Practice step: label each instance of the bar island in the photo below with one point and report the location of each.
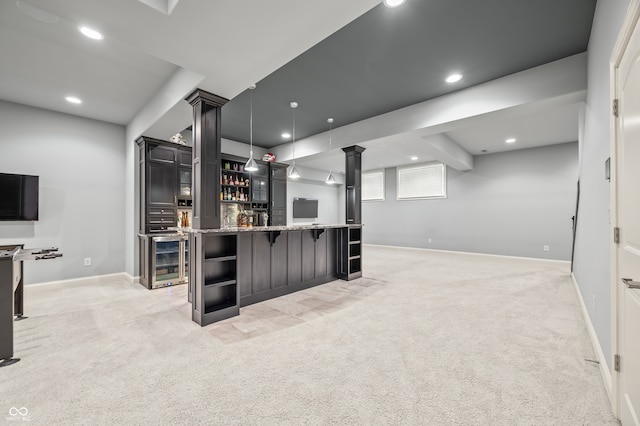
(237, 266)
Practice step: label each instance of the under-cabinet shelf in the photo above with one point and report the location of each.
(220, 283)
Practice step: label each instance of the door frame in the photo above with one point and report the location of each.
(631, 19)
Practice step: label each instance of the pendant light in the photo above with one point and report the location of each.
(251, 165)
(293, 173)
(330, 179)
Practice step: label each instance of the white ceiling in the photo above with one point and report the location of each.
(231, 43)
(44, 62)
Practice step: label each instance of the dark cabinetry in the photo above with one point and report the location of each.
(215, 290)
(353, 183)
(278, 194)
(165, 183)
(264, 190)
(351, 253)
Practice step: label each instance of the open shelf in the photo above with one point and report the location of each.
(219, 246)
(219, 297)
(222, 282)
(354, 265)
(216, 271)
(354, 250)
(355, 234)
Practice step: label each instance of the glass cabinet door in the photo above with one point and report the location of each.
(186, 259)
(185, 183)
(167, 261)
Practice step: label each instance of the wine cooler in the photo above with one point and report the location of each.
(164, 261)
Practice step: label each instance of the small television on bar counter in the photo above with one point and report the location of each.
(18, 197)
(305, 208)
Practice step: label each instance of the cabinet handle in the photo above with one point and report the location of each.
(630, 283)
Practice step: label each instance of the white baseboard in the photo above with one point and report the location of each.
(472, 253)
(131, 279)
(95, 279)
(595, 342)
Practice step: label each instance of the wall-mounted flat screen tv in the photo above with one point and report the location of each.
(305, 208)
(18, 197)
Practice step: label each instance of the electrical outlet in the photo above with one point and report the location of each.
(429, 241)
(545, 248)
(87, 261)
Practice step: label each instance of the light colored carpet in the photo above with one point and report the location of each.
(426, 338)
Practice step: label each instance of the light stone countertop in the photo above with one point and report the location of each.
(233, 229)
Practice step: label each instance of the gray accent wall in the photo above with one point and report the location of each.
(594, 235)
(512, 203)
(331, 208)
(82, 183)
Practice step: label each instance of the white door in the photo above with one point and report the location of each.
(628, 219)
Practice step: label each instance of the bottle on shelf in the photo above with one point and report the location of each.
(246, 182)
(222, 194)
(236, 181)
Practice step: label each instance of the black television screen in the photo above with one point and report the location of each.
(18, 197)
(305, 208)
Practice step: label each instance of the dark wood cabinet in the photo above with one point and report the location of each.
(264, 190)
(278, 194)
(350, 253)
(261, 263)
(245, 263)
(165, 183)
(353, 183)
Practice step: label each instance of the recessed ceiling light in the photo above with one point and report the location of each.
(286, 135)
(37, 13)
(393, 3)
(73, 100)
(414, 158)
(510, 140)
(454, 78)
(91, 33)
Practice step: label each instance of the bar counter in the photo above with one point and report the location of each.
(237, 266)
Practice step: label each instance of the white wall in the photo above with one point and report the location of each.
(593, 240)
(81, 167)
(329, 201)
(512, 203)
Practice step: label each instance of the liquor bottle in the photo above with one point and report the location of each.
(237, 183)
(246, 182)
(222, 194)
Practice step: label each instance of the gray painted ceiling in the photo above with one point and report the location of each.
(391, 58)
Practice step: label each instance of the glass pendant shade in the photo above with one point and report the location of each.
(330, 179)
(293, 173)
(251, 165)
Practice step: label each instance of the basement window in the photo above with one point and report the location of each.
(373, 185)
(422, 181)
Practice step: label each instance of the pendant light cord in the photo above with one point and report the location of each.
(293, 132)
(330, 122)
(251, 119)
